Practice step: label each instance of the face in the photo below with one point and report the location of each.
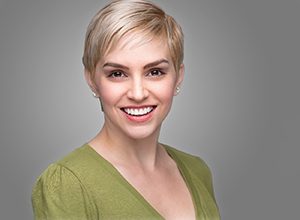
(136, 84)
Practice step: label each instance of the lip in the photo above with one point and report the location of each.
(139, 118)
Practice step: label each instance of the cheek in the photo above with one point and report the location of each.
(110, 93)
(165, 91)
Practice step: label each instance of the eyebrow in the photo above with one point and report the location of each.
(116, 65)
(155, 63)
(147, 66)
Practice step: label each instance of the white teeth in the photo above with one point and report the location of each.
(138, 111)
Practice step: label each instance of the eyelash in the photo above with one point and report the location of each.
(151, 73)
(113, 74)
(158, 72)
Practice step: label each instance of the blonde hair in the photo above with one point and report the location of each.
(122, 17)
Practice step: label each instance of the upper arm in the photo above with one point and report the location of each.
(59, 194)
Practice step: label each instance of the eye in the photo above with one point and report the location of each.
(116, 74)
(155, 73)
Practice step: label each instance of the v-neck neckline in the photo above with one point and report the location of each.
(182, 169)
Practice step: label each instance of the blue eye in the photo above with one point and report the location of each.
(155, 73)
(116, 74)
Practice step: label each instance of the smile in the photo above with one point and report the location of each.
(140, 111)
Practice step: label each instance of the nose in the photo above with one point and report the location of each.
(137, 91)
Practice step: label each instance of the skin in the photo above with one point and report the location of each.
(134, 76)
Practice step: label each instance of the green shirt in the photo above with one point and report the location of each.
(84, 185)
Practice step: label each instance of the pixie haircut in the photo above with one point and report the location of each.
(137, 17)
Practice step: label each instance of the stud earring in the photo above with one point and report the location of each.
(177, 90)
(95, 95)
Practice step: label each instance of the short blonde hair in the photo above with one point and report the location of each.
(122, 17)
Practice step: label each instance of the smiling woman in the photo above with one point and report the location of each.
(133, 62)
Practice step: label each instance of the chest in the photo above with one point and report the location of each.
(166, 192)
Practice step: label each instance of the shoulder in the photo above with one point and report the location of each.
(194, 165)
(61, 173)
(54, 178)
(187, 159)
(77, 157)
(73, 165)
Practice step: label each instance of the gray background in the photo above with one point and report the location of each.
(239, 107)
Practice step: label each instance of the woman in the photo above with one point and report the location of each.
(133, 63)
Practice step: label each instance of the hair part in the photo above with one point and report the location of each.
(138, 17)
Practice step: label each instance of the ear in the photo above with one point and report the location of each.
(90, 82)
(180, 77)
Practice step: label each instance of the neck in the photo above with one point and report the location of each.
(119, 149)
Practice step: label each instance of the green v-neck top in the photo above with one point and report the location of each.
(83, 185)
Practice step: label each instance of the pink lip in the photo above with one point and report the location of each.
(139, 119)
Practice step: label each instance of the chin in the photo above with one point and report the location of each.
(142, 132)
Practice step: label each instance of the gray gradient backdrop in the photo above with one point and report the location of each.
(239, 107)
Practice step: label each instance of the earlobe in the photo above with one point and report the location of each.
(179, 79)
(90, 82)
(180, 74)
(177, 91)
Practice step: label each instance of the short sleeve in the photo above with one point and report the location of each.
(207, 177)
(58, 194)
